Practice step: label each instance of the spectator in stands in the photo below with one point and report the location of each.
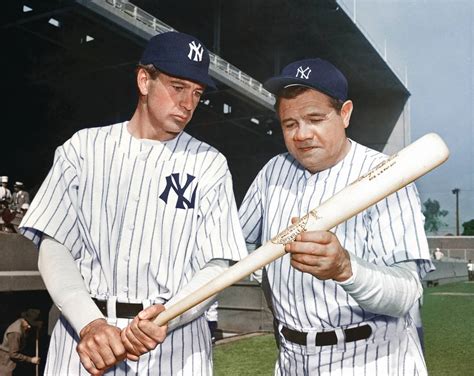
(438, 255)
(470, 270)
(5, 194)
(6, 217)
(24, 208)
(20, 196)
(14, 341)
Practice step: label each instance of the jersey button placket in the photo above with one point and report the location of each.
(129, 223)
(306, 202)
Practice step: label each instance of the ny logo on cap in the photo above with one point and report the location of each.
(198, 50)
(303, 73)
(172, 182)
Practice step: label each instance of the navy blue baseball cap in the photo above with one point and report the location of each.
(317, 74)
(180, 55)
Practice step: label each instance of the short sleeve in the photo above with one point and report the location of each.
(219, 235)
(397, 232)
(54, 208)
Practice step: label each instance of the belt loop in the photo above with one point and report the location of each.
(311, 338)
(111, 307)
(341, 338)
(147, 303)
(311, 347)
(280, 327)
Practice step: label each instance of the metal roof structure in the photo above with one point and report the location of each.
(70, 64)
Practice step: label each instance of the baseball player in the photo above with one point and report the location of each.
(341, 297)
(132, 217)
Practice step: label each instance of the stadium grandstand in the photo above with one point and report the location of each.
(71, 65)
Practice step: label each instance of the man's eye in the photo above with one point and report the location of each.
(198, 94)
(178, 87)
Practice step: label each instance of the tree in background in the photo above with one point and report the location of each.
(433, 216)
(468, 227)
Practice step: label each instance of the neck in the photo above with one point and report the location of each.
(344, 150)
(141, 127)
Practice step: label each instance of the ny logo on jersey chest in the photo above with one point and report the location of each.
(172, 183)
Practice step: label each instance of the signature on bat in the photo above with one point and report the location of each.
(290, 233)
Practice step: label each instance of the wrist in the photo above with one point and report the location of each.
(345, 269)
(92, 324)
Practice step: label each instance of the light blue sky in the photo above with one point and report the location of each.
(431, 44)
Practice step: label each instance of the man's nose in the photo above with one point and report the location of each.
(303, 132)
(186, 100)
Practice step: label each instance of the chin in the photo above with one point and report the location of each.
(175, 128)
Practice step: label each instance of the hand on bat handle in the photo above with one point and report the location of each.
(142, 334)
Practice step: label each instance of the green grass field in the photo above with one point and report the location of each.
(449, 338)
(448, 322)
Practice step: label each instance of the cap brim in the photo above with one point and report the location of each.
(188, 73)
(275, 84)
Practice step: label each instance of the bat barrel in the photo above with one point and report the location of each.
(394, 173)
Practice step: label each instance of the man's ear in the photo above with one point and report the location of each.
(143, 79)
(346, 112)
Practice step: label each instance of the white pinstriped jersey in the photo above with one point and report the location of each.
(386, 233)
(140, 219)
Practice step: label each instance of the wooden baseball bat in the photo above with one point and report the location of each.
(386, 178)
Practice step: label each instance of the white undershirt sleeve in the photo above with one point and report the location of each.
(389, 290)
(211, 270)
(65, 284)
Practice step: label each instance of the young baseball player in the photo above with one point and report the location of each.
(341, 297)
(132, 217)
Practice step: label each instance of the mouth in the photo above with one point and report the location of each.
(306, 148)
(180, 118)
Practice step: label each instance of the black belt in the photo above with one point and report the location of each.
(122, 310)
(328, 338)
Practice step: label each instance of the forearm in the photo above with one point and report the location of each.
(389, 290)
(211, 270)
(19, 357)
(65, 284)
(14, 349)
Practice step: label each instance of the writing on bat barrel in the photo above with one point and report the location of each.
(379, 169)
(290, 233)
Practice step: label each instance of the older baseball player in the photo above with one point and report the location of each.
(341, 297)
(131, 217)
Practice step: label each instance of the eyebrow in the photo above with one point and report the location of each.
(286, 120)
(316, 113)
(179, 81)
(185, 83)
